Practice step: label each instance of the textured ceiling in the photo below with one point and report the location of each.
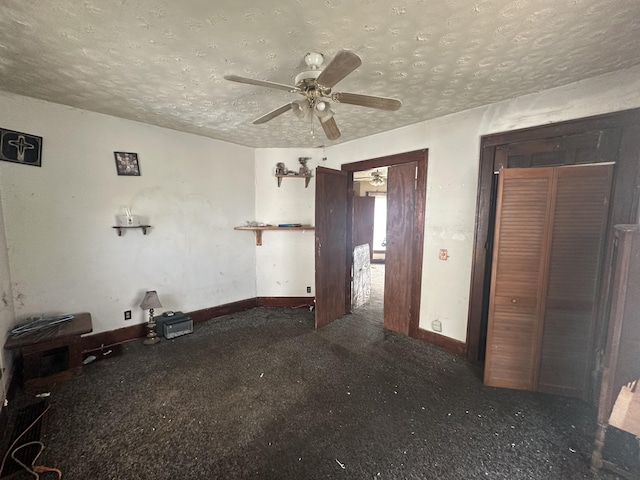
(162, 62)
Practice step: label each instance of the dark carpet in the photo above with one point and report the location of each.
(261, 394)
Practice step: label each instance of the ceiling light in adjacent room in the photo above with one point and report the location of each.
(376, 179)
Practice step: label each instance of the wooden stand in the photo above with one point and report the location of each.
(621, 364)
(52, 355)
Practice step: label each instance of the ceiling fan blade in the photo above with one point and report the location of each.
(342, 65)
(273, 114)
(261, 83)
(381, 103)
(330, 128)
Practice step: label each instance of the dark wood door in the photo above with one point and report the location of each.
(331, 244)
(363, 219)
(401, 202)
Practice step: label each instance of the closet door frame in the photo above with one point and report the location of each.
(625, 196)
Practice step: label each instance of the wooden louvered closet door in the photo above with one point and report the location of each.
(550, 231)
(579, 223)
(518, 280)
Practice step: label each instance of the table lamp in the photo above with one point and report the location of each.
(149, 302)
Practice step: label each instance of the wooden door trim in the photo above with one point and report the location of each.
(347, 261)
(625, 195)
(421, 158)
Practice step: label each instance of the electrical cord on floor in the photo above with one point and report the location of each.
(34, 469)
(12, 448)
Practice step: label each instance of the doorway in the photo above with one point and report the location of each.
(404, 239)
(407, 186)
(605, 138)
(369, 233)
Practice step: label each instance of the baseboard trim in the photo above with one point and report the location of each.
(100, 341)
(205, 314)
(445, 343)
(292, 302)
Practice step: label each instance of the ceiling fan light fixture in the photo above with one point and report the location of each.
(316, 86)
(325, 114)
(314, 60)
(376, 179)
(302, 110)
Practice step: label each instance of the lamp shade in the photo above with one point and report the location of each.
(302, 110)
(324, 115)
(150, 300)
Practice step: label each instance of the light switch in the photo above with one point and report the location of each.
(444, 254)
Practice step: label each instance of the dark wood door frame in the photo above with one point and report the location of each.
(421, 157)
(625, 197)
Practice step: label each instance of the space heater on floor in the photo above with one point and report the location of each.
(173, 324)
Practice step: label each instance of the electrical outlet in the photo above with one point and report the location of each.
(308, 289)
(127, 314)
(444, 254)
(436, 325)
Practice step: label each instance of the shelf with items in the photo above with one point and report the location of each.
(128, 220)
(120, 228)
(258, 230)
(303, 172)
(307, 178)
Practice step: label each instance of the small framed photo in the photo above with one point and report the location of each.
(127, 164)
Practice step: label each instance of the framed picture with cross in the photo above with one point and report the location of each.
(20, 147)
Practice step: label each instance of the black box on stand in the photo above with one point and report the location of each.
(173, 324)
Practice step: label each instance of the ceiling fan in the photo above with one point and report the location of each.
(377, 178)
(315, 86)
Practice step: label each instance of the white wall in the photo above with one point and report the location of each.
(453, 142)
(285, 261)
(64, 254)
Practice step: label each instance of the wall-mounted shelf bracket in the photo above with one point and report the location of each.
(307, 178)
(258, 230)
(120, 228)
